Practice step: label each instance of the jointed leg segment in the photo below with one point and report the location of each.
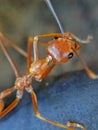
(38, 115)
(14, 45)
(34, 41)
(12, 63)
(9, 108)
(3, 94)
(7, 92)
(32, 44)
(29, 51)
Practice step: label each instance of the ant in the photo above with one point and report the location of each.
(59, 50)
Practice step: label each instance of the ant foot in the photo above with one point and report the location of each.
(72, 124)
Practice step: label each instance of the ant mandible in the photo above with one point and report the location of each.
(59, 50)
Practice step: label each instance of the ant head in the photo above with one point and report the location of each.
(61, 49)
(72, 39)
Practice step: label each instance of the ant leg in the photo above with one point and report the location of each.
(89, 38)
(3, 94)
(72, 124)
(2, 44)
(7, 92)
(29, 52)
(14, 45)
(38, 115)
(36, 40)
(33, 41)
(9, 108)
(50, 35)
(89, 72)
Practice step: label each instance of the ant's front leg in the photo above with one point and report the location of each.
(38, 115)
(34, 41)
(3, 94)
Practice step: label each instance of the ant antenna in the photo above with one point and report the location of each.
(49, 4)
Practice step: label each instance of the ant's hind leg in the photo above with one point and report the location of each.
(3, 94)
(38, 115)
(9, 108)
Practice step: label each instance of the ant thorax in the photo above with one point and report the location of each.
(23, 82)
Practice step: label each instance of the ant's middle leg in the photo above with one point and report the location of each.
(9, 58)
(14, 45)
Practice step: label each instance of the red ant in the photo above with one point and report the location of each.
(59, 50)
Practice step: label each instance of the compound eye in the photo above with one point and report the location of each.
(70, 55)
(55, 37)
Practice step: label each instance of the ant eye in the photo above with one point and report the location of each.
(70, 55)
(55, 38)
